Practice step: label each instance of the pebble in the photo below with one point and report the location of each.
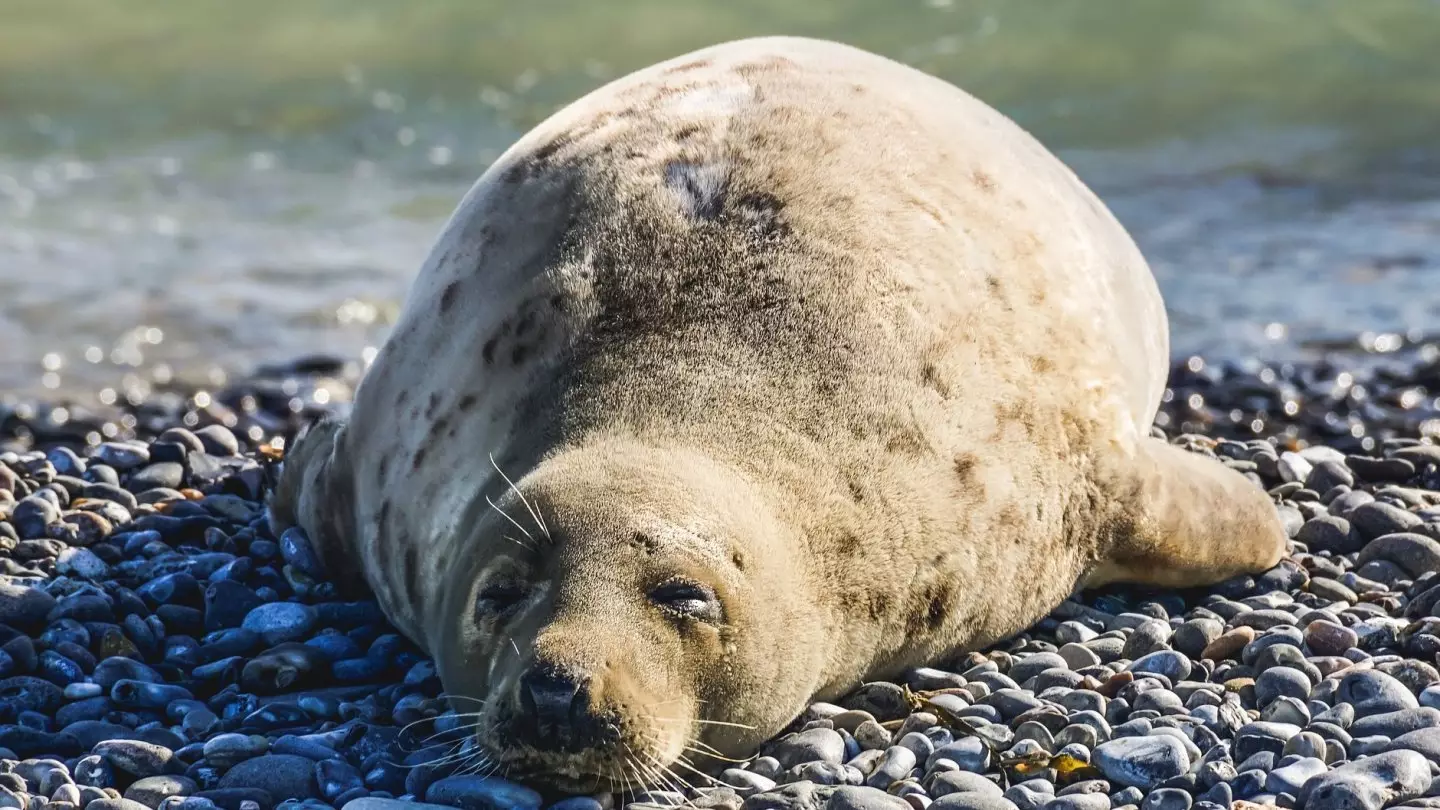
(1371, 783)
(480, 793)
(279, 622)
(1142, 762)
(283, 775)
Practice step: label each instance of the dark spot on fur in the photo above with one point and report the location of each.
(759, 214)
(1041, 364)
(685, 133)
(383, 467)
(965, 465)
(466, 402)
(930, 377)
(938, 608)
(557, 302)
(737, 559)
(983, 181)
(487, 352)
(696, 65)
(447, 298)
(700, 188)
(644, 542)
(993, 285)
(401, 397)
(418, 460)
(1009, 413)
(1010, 516)
(410, 567)
(768, 64)
(905, 439)
(856, 493)
(518, 355)
(878, 604)
(384, 513)
(431, 403)
(526, 324)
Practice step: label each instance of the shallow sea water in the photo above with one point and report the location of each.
(210, 185)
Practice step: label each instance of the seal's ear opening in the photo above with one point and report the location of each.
(314, 493)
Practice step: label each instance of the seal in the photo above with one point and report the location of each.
(747, 378)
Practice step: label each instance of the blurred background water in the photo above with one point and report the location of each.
(207, 184)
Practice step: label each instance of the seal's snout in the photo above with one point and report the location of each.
(557, 711)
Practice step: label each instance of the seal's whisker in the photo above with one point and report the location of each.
(702, 722)
(512, 520)
(674, 781)
(523, 500)
(684, 763)
(710, 751)
(517, 542)
(451, 748)
(454, 696)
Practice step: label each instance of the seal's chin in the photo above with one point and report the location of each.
(585, 772)
(623, 767)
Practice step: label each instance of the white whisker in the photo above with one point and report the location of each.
(523, 500)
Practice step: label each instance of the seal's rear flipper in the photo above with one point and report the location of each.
(1183, 520)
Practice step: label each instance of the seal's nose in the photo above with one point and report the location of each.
(549, 695)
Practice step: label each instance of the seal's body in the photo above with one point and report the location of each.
(785, 367)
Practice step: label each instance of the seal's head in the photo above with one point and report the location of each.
(634, 612)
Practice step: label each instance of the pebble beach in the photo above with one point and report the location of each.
(160, 648)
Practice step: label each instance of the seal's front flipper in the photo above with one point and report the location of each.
(1180, 519)
(310, 509)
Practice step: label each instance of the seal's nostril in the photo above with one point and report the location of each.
(549, 695)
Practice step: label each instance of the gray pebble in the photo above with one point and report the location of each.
(1141, 762)
(851, 797)
(815, 745)
(1290, 778)
(475, 792)
(1166, 799)
(1368, 784)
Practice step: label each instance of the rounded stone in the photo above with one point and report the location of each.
(278, 622)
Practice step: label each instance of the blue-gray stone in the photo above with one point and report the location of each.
(283, 776)
(1394, 724)
(474, 792)
(969, 753)
(1368, 784)
(280, 621)
(1373, 692)
(1290, 778)
(1169, 663)
(1141, 762)
(1166, 799)
(297, 550)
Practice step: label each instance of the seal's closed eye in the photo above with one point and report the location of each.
(688, 599)
(498, 600)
